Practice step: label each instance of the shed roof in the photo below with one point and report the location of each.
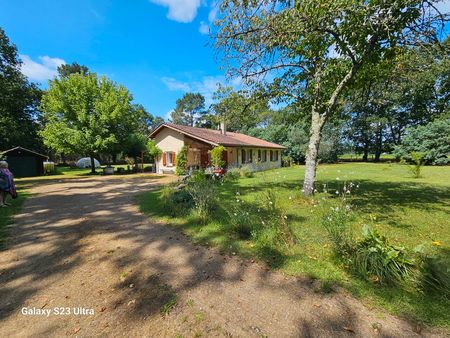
(23, 150)
(215, 137)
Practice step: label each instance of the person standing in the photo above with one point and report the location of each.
(7, 185)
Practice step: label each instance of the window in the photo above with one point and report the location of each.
(275, 156)
(271, 156)
(243, 157)
(259, 155)
(264, 156)
(169, 159)
(250, 155)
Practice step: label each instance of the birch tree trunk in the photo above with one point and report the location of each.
(311, 154)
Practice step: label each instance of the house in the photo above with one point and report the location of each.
(240, 149)
(24, 162)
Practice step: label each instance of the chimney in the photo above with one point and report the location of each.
(223, 127)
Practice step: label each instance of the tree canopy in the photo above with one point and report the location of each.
(88, 115)
(188, 109)
(308, 52)
(19, 116)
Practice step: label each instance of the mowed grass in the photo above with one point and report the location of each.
(408, 211)
(6, 214)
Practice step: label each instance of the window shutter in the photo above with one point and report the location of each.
(174, 159)
(164, 159)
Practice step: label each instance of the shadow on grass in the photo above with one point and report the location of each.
(7, 214)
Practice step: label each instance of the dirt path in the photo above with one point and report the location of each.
(83, 243)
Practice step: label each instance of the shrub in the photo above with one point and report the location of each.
(418, 161)
(203, 193)
(336, 222)
(242, 218)
(246, 171)
(432, 139)
(435, 276)
(275, 229)
(176, 201)
(216, 156)
(182, 161)
(232, 174)
(376, 259)
(373, 257)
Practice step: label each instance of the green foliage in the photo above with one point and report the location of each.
(87, 115)
(432, 139)
(182, 161)
(436, 273)
(216, 156)
(373, 257)
(376, 259)
(19, 114)
(204, 194)
(242, 218)
(232, 174)
(176, 201)
(153, 149)
(246, 171)
(418, 162)
(187, 108)
(65, 70)
(134, 145)
(241, 110)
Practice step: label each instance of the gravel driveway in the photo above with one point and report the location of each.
(81, 260)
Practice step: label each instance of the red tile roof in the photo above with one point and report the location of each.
(215, 137)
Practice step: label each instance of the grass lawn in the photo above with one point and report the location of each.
(68, 171)
(6, 214)
(408, 211)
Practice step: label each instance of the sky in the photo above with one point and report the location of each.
(158, 49)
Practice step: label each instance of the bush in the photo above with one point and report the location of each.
(242, 218)
(216, 156)
(418, 162)
(373, 257)
(436, 274)
(232, 175)
(274, 230)
(376, 259)
(176, 201)
(432, 139)
(203, 192)
(336, 222)
(182, 161)
(246, 171)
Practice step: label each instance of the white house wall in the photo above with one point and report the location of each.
(168, 140)
(255, 165)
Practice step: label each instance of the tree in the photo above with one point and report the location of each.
(240, 110)
(87, 115)
(188, 109)
(19, 116)
(65, 70)
(310, 51)
(134, 146)
(432, 140)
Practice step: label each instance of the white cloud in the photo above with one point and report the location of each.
(180, 10)
(206, 86)
(41, 70)
(204, 28)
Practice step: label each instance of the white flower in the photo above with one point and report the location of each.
(290, 197)
(285, 217)
(337, 192)
(270, 202)
(235, 214)
(337, 178)
(237, 193)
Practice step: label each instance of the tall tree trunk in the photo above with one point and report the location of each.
(378, 143)
(92, 164)
(317, 121)
(311, 154)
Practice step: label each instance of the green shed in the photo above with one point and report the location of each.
(24, 162)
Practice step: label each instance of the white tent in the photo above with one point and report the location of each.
(85, 162)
